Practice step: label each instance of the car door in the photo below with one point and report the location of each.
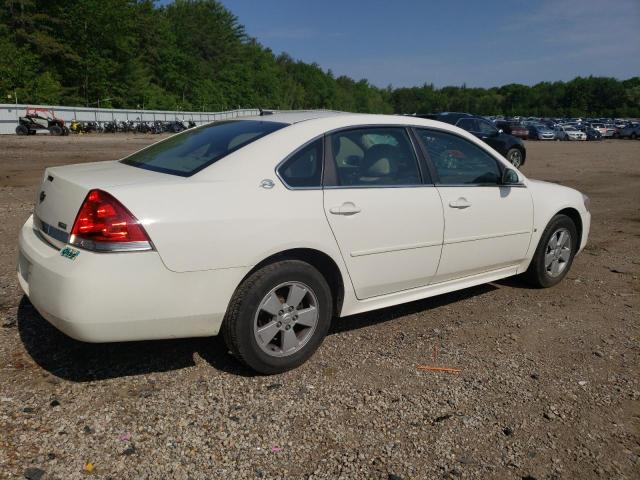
(384, 212)
(487, 225)
(489, 134)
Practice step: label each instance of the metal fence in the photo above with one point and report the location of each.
(9, 114)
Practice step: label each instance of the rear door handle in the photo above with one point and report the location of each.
(347, 208)
(460, 203)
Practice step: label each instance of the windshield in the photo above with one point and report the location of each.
(187, 153)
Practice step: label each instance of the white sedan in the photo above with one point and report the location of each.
(568, 132)
(266, 228)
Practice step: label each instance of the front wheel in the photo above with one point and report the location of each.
(278, 316)
(514, 155)
(554, 255)
(22, 130)
(634, 136)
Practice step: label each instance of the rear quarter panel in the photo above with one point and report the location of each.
(222, 217)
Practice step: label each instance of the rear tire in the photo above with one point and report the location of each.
(263, 331)
(22, 130)
(55, 130)
(514, 155)
(634, 136)
(555, 252)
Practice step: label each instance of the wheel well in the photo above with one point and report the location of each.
(574, 215)
(320, 261)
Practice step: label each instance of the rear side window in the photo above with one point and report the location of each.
(193, 150)
(457, 161)
(304, 168)
(468, 124)
(374, 157)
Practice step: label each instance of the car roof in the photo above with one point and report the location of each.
(328, 119)
(291, 117)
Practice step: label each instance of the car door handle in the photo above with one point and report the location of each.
(347, 208)
(460, 203)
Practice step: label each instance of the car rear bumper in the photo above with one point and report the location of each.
(107, 297)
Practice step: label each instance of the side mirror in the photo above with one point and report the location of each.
(510, 177)
(500, 131)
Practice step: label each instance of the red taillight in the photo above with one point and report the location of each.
(103, 223)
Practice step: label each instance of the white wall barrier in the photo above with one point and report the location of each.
(9, 114)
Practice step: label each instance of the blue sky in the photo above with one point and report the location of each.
(481, 43)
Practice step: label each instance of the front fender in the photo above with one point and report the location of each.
(549, 199)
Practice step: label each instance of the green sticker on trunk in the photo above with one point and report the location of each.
(70, 253)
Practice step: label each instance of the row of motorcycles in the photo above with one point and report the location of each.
(130, 126)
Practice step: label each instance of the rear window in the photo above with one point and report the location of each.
(189, 152)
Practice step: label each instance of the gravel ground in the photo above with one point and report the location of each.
(548, 389)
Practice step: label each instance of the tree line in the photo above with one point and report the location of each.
(194, 55)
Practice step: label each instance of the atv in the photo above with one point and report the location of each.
(41, 119)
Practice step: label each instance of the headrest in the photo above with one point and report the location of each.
(381, 161)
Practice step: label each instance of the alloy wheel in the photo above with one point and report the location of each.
(557, 252)
(515, 157)
(286, 319)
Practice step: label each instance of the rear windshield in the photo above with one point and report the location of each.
(193, 150)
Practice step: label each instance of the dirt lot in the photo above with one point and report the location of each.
(549, 385)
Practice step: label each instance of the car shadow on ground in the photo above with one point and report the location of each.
(77, 361)
(516, 282)
(363, 320)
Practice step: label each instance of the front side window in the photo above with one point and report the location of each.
(189, 152)
(374, 157)
(487, 128)
(458, 161)
(304, 168)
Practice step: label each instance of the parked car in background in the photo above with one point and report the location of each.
(569, 132)
(630, 131)
(600, 127)
(510, 147)
(514, 128)
(592, 133)
(608, 131)
(541, 132)
(344, 228)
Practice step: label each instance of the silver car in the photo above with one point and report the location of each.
(631, 131)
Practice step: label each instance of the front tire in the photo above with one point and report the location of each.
(22, 130)
(554, 256)
(278, 316)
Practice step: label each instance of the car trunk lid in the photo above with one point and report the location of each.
(63, 190)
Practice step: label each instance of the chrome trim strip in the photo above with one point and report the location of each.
(399, 248)
(485, 237)
(349, 187)
(501, 185)
(106, 247)
(52, 231)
